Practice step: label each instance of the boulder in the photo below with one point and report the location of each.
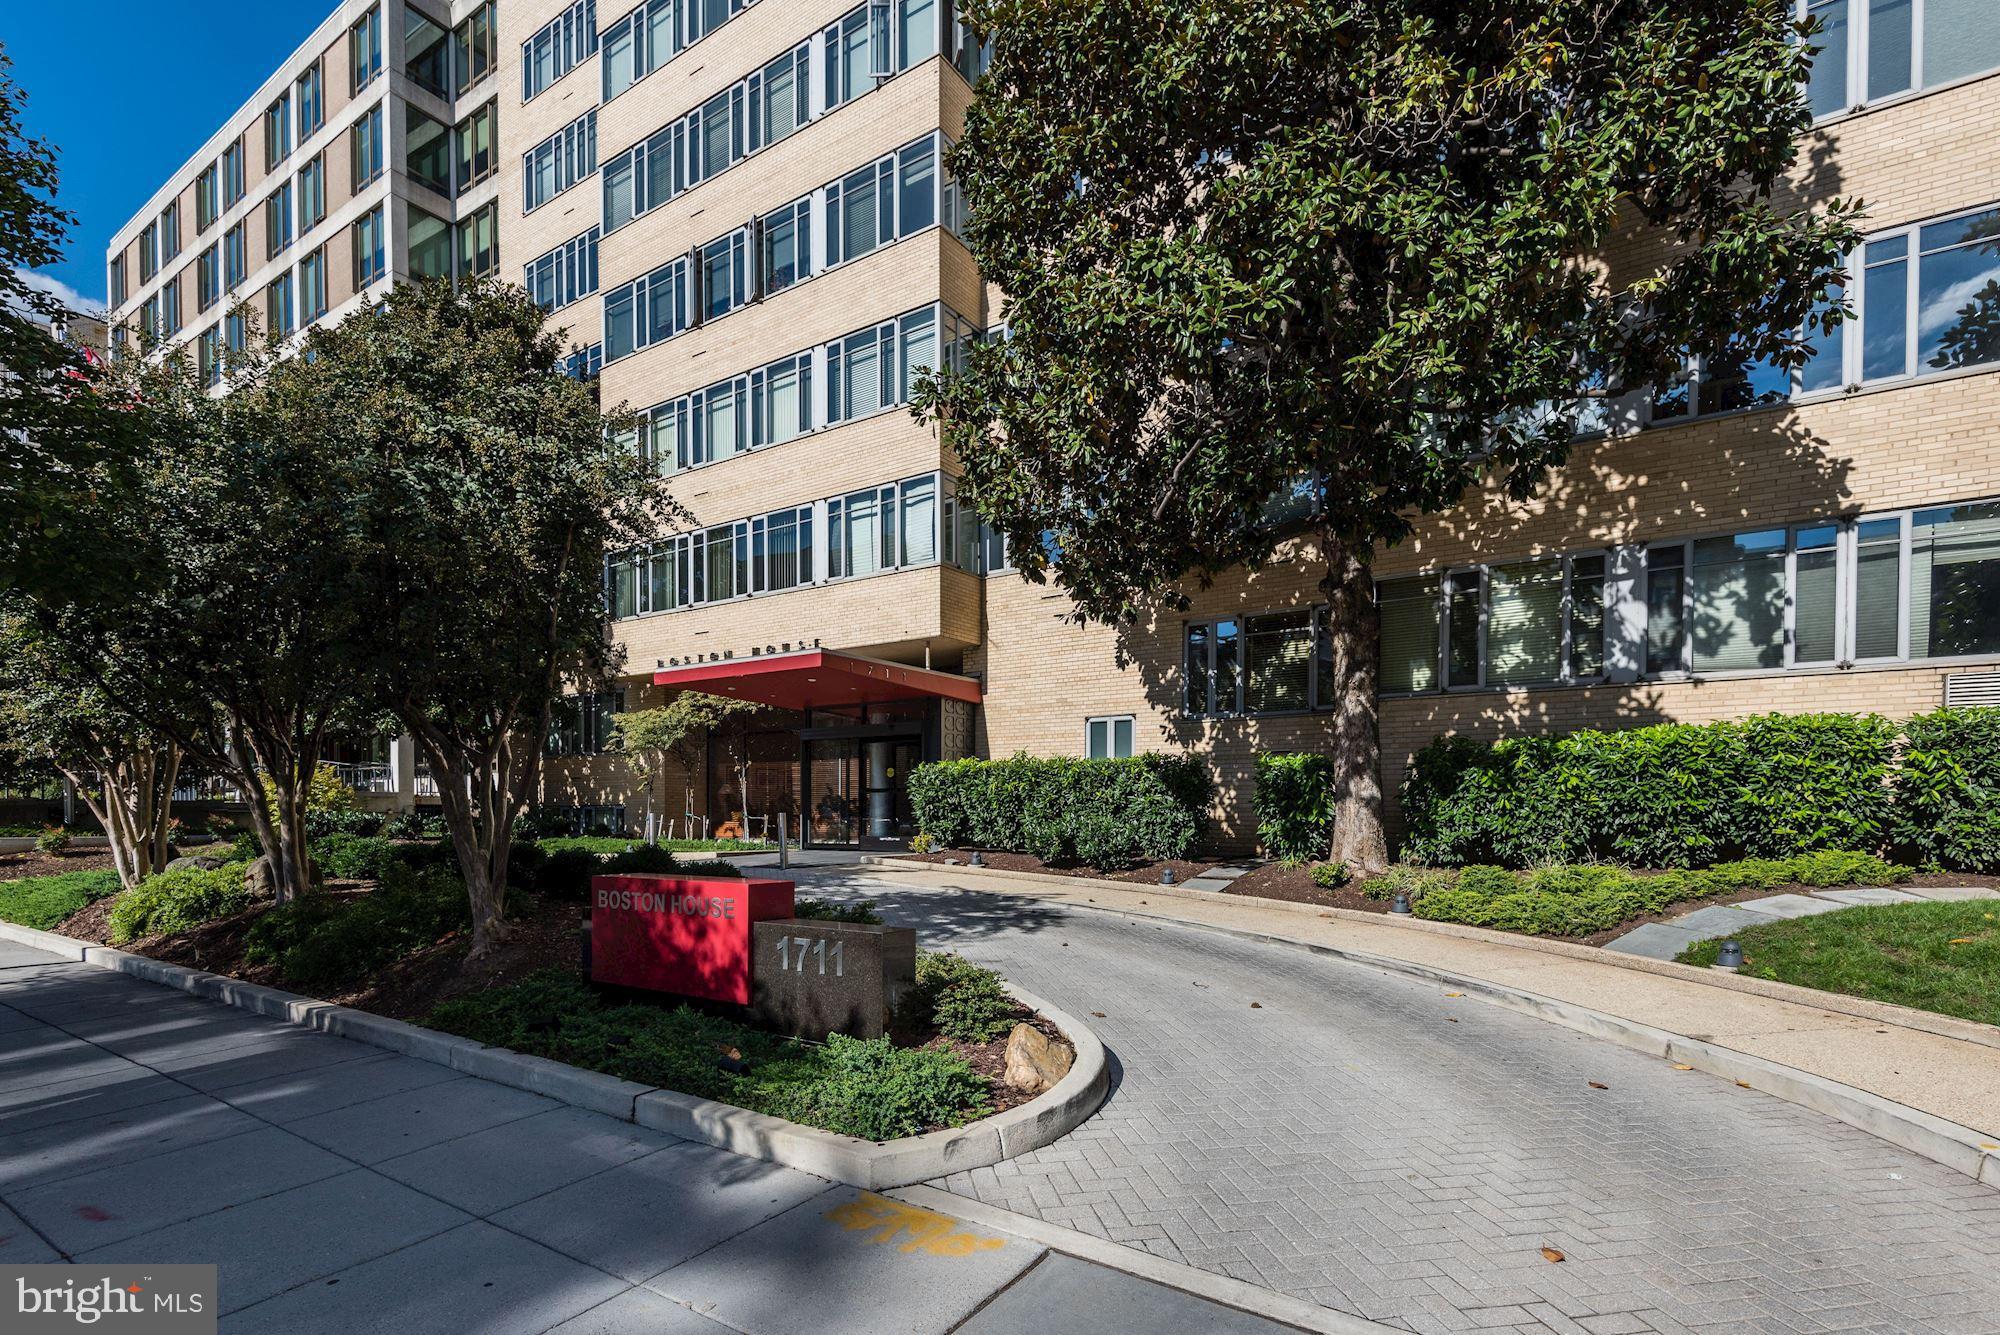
(1035, 1062)
(259, 880)
(202, 861)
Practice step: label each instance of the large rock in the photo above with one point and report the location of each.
(1035, 1061)
(259, 880)
(201, 860)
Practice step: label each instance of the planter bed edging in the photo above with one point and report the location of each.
(875, 1165)
(1888, 1012)
(25, 843)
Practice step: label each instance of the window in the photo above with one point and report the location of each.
(149, 251)
(207, 198)
(312, 286)
(277, 131)
(584, 363)
(1666, 598)
(780, 97)
(149, 319)
(1869, 50)
(1278, 662)
(170, 231)
(430, 245)
(647, 310)
(1719, 386)
(278, 312)
(781, 401)
(882, 202)
(1512, 624)
(208, 278)
(427, 150)
(364, 50)
(426, 51)
(474, 136)
(117, 283)
(559, 162)
(170, 307)
(278, 221)
(856, 49)
(208, 356)
(365, 142)
(722, 272)
(1108, 738)
(371, 260)
(654, 33)
(233, 260)
(312, 193)
(582, 725)
(478, 249)
(309, 97)
(785, 249)
(566, 274)
(1954, 581)
(1211, 662)
(473, 48)
(235, 332)
(567, 41)
(233, 187)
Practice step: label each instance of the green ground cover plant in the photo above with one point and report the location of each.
(1941, 957)
(1577, 900)
(178, 901)
(41, 902)
(597, 843)
(867, 1088)
(326, 942)
(959, 999)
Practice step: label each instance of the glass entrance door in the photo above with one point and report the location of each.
(857, 790)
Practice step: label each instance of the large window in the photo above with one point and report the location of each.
(879, 368)
(278, 221)
(654, 33)
(207, 198)
(427, 150)
(233, 186)
(312, 286)
(648, 310)
(208, 278)
(371, 249)
(1929, 298)
(234, 261)
(170, 231)
(364, 50)
(312, 193)
(567, 41)
(566, 274)
(478, 246)
(1532, 622)
(559, 162)
(426, 52)
(722, 271)
(309, 98)
(277, 131)
(889, 199)
(474, 137)
(582, 725)
(279, 315)
(149, 251)
(785, 246)
(1869, 50)
(365, 141)
(473, 47)
(431, 250)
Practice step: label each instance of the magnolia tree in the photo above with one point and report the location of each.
(1341, 252)
(656, 742)
(487, 490)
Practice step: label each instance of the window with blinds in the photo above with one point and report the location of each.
(1409, 616)
(1955, 581)
(1738, 597)
(1524, 625)
(1278, 663)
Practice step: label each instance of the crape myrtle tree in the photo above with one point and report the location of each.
(490, 491)
(676, 734)
(1340, 252)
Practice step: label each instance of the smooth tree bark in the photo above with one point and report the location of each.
(132, 797)
(1283, 278)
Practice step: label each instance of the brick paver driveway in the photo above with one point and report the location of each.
(1364, 1140)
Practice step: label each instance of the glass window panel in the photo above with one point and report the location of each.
(1826, 87)
(1878, 589)
(1885, 310)
(1409, 612)
(720, 423)
(1121, 738)
(1586, 617)
(920, 341)
(1743, 382)
(620, 199)
(1815, 595)
(1739, 602)
(1889, 47)
(1524, 623)
(1277, 662)
(916, 31)
(1958, 293)
(857, 214)
(919, 521)
(861, 376)
(625, 589)
(1228, 640)
(1194, 667)
(1823, 369)
(1666, 593)
(917, 189)
(1100, 738)
(1961, 37)
(1463, 610)
(860, 534)
(1955, 581)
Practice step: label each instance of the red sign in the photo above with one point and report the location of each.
(689, 935)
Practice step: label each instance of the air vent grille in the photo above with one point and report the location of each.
(1964, 690)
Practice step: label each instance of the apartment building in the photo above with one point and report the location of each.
(739, 212)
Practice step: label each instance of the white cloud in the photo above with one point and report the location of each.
(62, 292)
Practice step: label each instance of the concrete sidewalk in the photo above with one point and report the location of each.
(1947, 1068)
(340, 1188)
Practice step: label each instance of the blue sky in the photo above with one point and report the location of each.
(91, 74)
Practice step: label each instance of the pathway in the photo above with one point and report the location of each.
(1666, 940)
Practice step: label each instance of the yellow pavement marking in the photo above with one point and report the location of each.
(883, 1221)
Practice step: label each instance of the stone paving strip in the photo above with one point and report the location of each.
(341, 1188)
(1666, 940)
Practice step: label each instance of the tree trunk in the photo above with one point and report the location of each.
(1354, 623)
(134, 804)
(480, 797)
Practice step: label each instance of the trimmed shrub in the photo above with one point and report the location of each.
(1948, 790)
(524, 861)
(707, 867)
(958, 999)
(179, 900)
(1330, 875)
(41, 902)
(353, 857)
(334, 944)
(1101, 813)
(1295, 804)
(641, 858)
(52, 840)
(343, 820)
(1669, 795)
(566, 873)
(862, 911)
(414, 825)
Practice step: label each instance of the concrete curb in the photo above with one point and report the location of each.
(24, 843)
(861, 1163)
(1956, 1146)
(1221, 1289)
(1944, 1026)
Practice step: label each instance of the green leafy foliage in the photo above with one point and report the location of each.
(1941, 957)
(1331, 875)
(42, 902)
(861, 911)
(324, 942)
(178, 900)
(1948, 790)
(1294, 804)
(1100, 813)
(353, 856)
(870, 1088)
(54, 839)
(1578, 900)
(1669, 795)
(566, 874)
(958, 999)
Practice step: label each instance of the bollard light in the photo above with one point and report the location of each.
(1730, 956)
(1166, 876)
(975, 860)
(1401, 904)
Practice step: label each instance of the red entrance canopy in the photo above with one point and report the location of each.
(817, 678)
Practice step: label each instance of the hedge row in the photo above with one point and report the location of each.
(1099, 813)
(1688, 795)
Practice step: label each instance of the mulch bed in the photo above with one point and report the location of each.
(20, 866)
(1147, 873)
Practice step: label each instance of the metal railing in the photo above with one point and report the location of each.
(426, 784)
(207, 790)
(365, 778)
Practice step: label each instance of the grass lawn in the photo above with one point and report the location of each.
(43, 901)
(1933, 956)
(601, 843)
